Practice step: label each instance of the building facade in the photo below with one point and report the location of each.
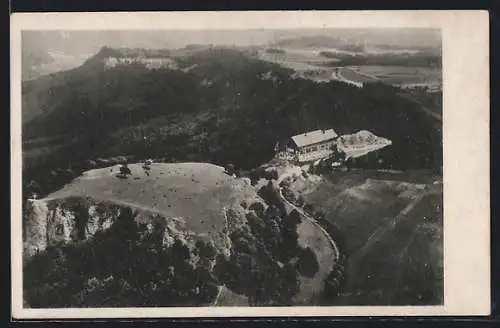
(311, 146)
(148, 62)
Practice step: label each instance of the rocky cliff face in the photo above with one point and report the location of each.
(55, 221)
(50, 222)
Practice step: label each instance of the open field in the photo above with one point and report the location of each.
(393, 235)
(312, 59)
(226, 297)
(301, 60)
(311, 236)
(195, 192)
(355, 76)
(400, 75)
(311, 56)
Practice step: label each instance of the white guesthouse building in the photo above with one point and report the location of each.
(311, 146)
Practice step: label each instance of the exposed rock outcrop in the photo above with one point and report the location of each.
(52, 221)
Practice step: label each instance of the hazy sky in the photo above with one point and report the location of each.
(92, 41)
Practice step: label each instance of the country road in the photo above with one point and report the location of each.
(219, 292)
(310, 219)
(313, 221)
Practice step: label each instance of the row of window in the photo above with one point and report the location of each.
(315, 148)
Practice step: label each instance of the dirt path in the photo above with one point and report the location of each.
(357, 257)
(422, 106)
(380, 232)
(316, 223)
(219, 292)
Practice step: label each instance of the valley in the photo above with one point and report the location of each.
(391, 227)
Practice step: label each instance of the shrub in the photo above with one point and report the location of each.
(258, 208)
(271, 195)
(289, 195)
(293, 219)
(300, 201)
(286, 182)
(308, 208)
(206, 250)
(308, 264)
(319, 215)
(271, 174)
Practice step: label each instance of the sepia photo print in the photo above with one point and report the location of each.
(239, 168)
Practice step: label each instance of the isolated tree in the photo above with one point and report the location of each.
(258, 208)
(125, 170)
(230, 169)
(308, 264)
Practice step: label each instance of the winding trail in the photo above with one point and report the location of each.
(220, 288)
(381, 231)
(313, 221)
(305, 215)
(219, 292)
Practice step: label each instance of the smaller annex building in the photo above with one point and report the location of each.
(312, 145)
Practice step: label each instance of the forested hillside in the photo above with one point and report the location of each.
(226, 108)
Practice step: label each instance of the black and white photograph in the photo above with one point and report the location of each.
(259, 167)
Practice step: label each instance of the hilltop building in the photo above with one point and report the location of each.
(148, 62)
(310, 146)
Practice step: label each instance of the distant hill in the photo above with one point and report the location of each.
(40, 62)
(356, 43)
(31, 62)
(310, 41)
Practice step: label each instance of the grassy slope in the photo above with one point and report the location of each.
(311, 236)
(229, 298)
(196, 192)
(393, 237)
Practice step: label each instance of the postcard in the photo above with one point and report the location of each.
(250, 164)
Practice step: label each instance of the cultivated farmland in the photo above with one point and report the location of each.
(356, 76)
(400, 75)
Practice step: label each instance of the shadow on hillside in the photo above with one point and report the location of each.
(125, 266)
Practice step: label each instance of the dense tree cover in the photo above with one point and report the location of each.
(121, 267)
(273, 279)
(275, 51)
(334, 283)
(432, 99)
(271, 194)
(335, 279)
(220, 111)
(129, 265)
(308, 264)
(266, 259)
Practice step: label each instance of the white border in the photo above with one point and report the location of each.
(466, 147)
